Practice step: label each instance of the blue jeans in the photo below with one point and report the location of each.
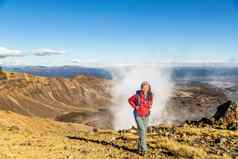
(142, 123)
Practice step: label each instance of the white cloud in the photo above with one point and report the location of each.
(47, 52)
(87, 62)
(5, 52)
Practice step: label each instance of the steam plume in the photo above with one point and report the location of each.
(131, 78)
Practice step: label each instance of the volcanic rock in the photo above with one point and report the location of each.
(193, 101)
(51, 97)
(226, 116)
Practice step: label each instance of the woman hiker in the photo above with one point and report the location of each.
(141, 103)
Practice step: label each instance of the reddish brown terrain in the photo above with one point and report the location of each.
(51, 97)
(86, 99)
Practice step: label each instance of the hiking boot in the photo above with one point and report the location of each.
(142, 153)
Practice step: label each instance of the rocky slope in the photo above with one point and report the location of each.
(193, 101)
(86, 99)
(225, 117)
(25, 137)
(52, 97)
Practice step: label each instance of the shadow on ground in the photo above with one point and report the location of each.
(103, 143)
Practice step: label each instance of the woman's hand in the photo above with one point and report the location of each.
(137, 107)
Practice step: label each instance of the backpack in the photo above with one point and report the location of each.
(138, 98)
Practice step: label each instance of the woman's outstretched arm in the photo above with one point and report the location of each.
(132, 101)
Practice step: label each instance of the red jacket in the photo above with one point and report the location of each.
(145, 104)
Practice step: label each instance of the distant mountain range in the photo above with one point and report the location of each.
(204, 72)
(62, 71)
(200, 73)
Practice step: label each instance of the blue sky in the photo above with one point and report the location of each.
(62, 32)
